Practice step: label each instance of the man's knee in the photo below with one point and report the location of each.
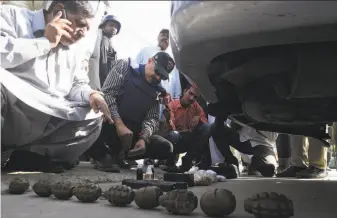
(159, 147)
(173, 137)
(205, 130)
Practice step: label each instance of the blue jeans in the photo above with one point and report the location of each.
(190, 142)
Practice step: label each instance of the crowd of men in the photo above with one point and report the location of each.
(64, 95)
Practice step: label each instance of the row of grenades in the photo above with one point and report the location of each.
(214, 203)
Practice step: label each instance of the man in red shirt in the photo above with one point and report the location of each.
(187, 127)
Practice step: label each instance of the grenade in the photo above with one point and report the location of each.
(218, 203)
(179, 201)
(62, 190)
(119, 195)
(42, 188)
(269, 205)
(205, 181)
(148, 197)
(18, 185)
(88, 192)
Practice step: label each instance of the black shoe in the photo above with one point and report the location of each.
(159, 163)
(266, 169)
(170, 168)
(253, 172)
(22, 160)
(132, 163)
(202, 165)
(186, 164)
(124, 164)
(290, 171)
(106, 164)
(230, 171)
(312, 173)
(70, 165)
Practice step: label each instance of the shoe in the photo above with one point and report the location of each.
(158, 163)
(106, 164)
(312, 173)
(253, 172)
(124, 164)
(132, 163)
(186, 164)
(228, 170)
(290, 171)
(280, 168)
(22, 160)
(265, 169)
(70, 164)
(170, 169)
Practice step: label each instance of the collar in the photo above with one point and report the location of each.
(38, 23)
(159, 49)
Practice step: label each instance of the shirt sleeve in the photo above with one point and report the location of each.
(201, 113)
(80, 90)
(14, 50)
(150, 125)
(114, 81)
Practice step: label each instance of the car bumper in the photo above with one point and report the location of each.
(203, 30)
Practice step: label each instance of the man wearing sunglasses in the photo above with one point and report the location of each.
(46, 101)
(131, 91)
(187, 128)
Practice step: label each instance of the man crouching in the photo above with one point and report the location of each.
(131, 91)
(46, 101)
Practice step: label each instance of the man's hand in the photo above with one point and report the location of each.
(138, 150)
(98, 103)
(125, 135)
(194, 122)
(57, 28)
(140, 144)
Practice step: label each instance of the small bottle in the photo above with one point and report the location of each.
(139, 173)
(152, 169)
(148, 174)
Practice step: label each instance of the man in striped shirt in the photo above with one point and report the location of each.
(131, 91)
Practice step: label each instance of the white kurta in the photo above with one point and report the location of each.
(44, 93)
(52, 81)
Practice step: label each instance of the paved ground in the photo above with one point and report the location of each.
(312, 199)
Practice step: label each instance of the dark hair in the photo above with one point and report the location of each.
(75, 6)
(164, 31)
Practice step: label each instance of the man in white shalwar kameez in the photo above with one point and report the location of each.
(46, 101)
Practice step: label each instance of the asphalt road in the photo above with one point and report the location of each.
(311, 198)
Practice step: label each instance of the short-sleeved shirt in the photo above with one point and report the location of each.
(181, 117)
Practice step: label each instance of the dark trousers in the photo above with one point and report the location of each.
(193, 143)
(110, 143)
(224, 137)
(283, 146)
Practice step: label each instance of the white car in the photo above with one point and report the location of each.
(268, 64)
